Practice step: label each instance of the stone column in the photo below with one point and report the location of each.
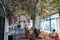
(37, 18)
(37, 22)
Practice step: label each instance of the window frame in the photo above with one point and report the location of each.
(50, 19)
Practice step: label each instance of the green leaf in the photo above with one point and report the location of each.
(19, 26)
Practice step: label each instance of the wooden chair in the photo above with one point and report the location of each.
(57, 37)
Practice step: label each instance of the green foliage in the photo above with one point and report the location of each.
(37, 32)
(54, 6)
(21, 1)
(19, 26)
(55, 2)
(14, 3)
(41, 13)
(58, 10)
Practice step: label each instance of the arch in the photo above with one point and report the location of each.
(2, 21)
(2, 10)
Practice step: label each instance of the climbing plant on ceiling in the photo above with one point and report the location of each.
(53, 6)
(30, 6)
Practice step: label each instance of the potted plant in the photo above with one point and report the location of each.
(37, 32)
(19, 25)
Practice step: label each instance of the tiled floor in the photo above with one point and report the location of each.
(20, 36)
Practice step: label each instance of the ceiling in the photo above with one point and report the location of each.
(45, 7)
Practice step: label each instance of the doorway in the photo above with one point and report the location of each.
(2, 22)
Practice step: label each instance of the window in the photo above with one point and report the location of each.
(41, 24)
(55, 15)
(53, 21)
(47, 25)
(49, 22)
(53, 24)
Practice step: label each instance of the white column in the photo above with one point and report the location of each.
(58, 25)
(6, 29)
(6, 25)
(37, 22)
(22, 25)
